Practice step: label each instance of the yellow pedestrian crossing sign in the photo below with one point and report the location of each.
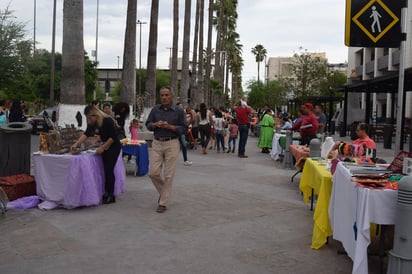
(373, 23)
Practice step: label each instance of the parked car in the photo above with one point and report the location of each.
(39, 122)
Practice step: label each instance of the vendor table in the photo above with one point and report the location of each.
(350, 204)
(276, 146)
(317, 180)
(142, 157)
(71, 181)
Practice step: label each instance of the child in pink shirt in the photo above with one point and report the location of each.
(233, 132)
(134, 126)
(134, 135)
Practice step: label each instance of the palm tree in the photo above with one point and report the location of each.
(128, 88)
(175, 46)
(200, 88)
(195, 68)
(185, 84)
(260, 53)
(208, 94)
(152, 56)
(72, 79)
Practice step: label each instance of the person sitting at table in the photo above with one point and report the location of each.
(285, 123)
(98, 123)
(363, 138)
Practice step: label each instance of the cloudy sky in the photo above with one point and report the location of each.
(282, 27)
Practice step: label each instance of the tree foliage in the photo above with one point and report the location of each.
(308, 73)
(260, 53)
(273, 94)
(14, 51)
(25, 75)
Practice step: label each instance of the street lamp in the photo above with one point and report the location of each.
(118, 66)
(140, 54)
(96, 44)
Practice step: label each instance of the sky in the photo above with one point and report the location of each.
(282, 27)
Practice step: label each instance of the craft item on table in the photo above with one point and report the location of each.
(407, 165)
(397, 164)
(326, 147)
(127, 141)
(58, 141)
(348, 149)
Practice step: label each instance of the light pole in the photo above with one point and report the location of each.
(97, 40)
(118, 66)
(140, 54)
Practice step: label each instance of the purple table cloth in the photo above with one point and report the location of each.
(71, 181)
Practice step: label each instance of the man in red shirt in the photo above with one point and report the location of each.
(308, 125)
(242, 116)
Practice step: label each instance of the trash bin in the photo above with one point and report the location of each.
(353, 128)
(387, 136)
(15, 147)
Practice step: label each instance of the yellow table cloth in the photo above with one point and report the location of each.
(316, 177)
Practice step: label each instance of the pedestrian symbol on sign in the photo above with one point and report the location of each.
(373, 23)
(375, 15)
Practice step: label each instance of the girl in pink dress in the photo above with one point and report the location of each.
(134, 135)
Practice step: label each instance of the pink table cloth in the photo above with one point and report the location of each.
(71, 181)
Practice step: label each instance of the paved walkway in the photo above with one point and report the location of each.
(227, 215)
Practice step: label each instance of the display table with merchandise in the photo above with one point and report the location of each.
(352, 209)
(71, 181)
(140, 150)
(317, 180)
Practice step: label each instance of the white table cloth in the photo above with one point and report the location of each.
(349, 204)
(276, 149)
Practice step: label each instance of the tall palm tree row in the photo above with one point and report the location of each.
(260, 53)
(227, 54)
(228, 47)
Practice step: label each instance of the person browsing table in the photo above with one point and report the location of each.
(168, 122)
(98, 123)
(308, 126)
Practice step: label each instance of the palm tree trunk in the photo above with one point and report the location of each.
(200, 87)
(72, 78)
(208, 93)
(219, 42)
(152, 56)
(185, 84)
(195, 66)
(175, 46)
(128, 88)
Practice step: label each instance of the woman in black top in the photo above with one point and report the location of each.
(98, 123)
(16, 112)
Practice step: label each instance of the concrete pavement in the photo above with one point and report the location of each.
(227, 215)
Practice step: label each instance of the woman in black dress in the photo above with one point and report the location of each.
(102, 125)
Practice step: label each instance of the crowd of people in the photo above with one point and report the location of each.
(175, 125)
(12, 111)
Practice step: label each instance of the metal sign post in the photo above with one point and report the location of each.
(401, 88)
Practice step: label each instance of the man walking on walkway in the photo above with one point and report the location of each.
(242, 116)
(168, 122)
